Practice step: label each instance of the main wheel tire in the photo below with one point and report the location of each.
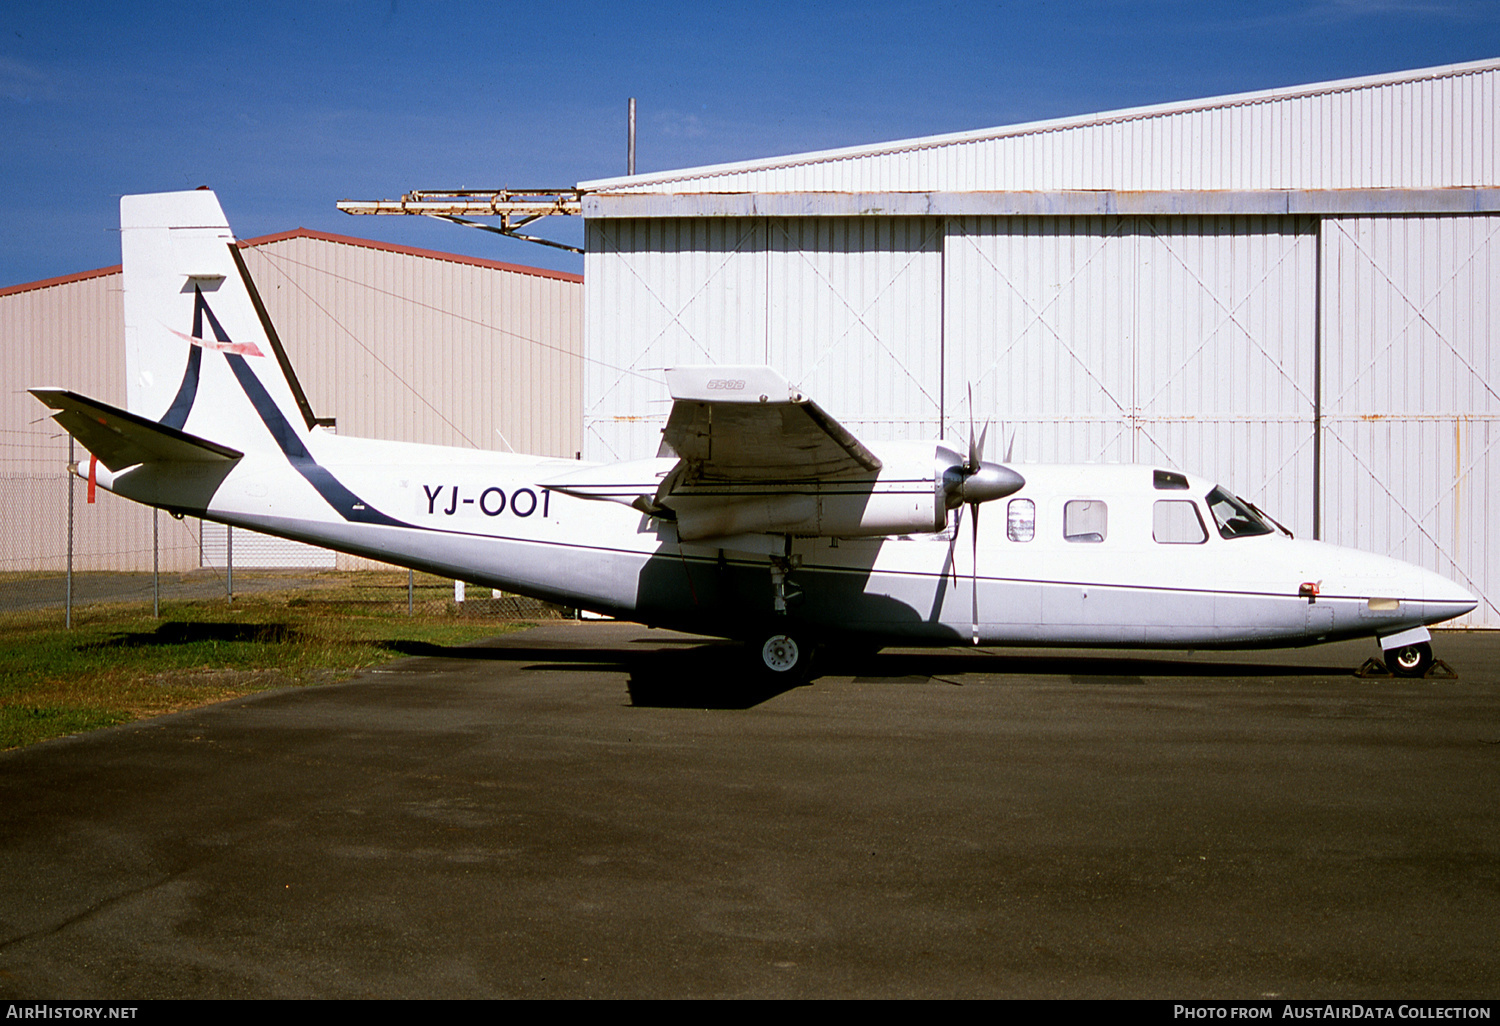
(1410, 660)
(783, 656)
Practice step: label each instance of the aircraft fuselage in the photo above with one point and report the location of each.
(492, 519)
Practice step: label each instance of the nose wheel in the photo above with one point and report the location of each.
(1410, 660)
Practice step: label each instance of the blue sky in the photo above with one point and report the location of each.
(285, 108)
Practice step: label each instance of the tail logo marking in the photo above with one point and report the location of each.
(221, 340)
(182, 403)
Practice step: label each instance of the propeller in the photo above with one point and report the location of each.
(973, 481)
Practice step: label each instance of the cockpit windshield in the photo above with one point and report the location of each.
(1234, 516)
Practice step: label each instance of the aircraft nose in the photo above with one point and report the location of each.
(1439, 597)
(1445, 598)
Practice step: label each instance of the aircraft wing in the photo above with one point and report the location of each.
(122, 439)
(748, 425)
(746, 454)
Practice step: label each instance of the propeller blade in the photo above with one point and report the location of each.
(974, 450)
(974, 570)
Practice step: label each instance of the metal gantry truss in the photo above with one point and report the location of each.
(516, 208)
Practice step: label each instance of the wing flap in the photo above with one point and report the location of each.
(122, 439)
(747, 424)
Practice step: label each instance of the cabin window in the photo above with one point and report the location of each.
(1177, 522)
(1168, 479)
(1020, 520)
(1234, 516)
(1085, 520)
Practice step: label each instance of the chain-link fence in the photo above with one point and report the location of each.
(62, 549)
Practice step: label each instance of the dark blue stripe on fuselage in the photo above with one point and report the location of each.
(345, 503)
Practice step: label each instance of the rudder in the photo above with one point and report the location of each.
(201, 354)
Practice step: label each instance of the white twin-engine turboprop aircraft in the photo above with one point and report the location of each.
(761, 519)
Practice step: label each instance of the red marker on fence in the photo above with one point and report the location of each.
(93, 475)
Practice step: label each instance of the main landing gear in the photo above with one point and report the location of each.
(781, 652)
(784, 656)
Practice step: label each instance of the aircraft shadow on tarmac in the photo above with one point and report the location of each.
(704, 674)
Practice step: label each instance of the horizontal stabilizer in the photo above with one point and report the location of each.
(121, 439)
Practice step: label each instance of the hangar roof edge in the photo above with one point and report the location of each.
(638, 182)
(308, 233)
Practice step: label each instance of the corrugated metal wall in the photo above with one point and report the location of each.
(848, 308)
(1426, 129)
(1410, 394)
(427, 350)
(1185, 341)
(69, 335)
(394, 343)
(662, 293)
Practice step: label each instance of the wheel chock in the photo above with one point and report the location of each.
(1374, 669)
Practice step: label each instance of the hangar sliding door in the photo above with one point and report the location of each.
(855, 318)
(848, 308)
(676, 291)
(1186, 341)
(1412, 413)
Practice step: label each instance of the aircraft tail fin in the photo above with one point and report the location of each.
(201, 354)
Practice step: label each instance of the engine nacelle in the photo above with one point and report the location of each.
(906, 496)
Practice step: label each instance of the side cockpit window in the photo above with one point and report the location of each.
(1020, 520)
(1085, 520)
(1177, 522)
(1234, 516)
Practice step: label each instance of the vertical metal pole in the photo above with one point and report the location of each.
(155, 567)
(942, 430)
(1317, 481)
(410, 581)
(630, 153)
(229, 561)
(68, 600)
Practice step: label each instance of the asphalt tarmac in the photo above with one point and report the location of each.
(598, 810)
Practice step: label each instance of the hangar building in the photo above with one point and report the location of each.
(1291, 291)
(389, 341)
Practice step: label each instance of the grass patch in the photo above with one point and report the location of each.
(118, 664)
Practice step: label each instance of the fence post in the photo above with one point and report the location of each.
(155, 568)
(68, 600)
(411, 576)
(229, 561)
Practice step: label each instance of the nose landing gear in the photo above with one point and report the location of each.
(1410, 660)
(1408, 654)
